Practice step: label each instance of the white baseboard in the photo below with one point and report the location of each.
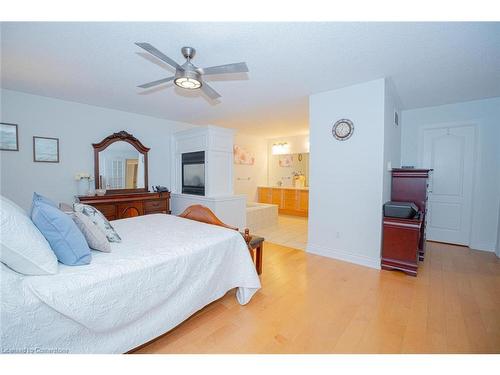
(362, 260)
(483, 247)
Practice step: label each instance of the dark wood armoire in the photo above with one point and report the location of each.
(403, 242)
(410, 185)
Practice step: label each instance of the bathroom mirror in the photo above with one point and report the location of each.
(121, 164)
(289, 170)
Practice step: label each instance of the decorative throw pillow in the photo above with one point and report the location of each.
(95, 236)
(66, 208)
(23, 247)
(98, 219)
(40, 198)
(64, 237)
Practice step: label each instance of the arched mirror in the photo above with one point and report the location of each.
(121, 164)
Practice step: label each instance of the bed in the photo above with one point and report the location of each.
(165, 269)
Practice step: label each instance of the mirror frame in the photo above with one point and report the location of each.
(129, 138)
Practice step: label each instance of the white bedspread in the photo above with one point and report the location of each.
(164, 265)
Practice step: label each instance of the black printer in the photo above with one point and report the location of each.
(401, 210)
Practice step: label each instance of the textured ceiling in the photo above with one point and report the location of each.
(98, 63)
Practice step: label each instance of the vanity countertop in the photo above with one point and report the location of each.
(286, 187)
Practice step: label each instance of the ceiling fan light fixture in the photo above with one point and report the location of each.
(187, 83)
(188, 79)
(188, 76)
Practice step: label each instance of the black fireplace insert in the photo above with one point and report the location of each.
(193, 173)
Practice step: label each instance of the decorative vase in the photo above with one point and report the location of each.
(83, 186)
(90, 187)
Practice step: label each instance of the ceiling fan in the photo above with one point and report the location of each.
(189, 76)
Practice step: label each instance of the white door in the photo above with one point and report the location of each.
(449, 151)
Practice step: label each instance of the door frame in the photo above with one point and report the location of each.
(475, 162)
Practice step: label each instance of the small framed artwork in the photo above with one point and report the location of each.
(285, 161)
(46, 150)
(9, 139)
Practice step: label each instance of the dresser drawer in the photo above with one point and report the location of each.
(159, 205)
(130, 209)
(108, 210)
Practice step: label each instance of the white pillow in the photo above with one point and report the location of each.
(23, 247)
(98, 219)
(95, 236)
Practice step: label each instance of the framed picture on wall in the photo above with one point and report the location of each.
(46, 150)
(9, 139)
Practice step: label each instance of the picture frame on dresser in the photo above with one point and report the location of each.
(9, 137)
(45, 149)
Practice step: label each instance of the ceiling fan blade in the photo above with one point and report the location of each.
(228, 68)
(154, 83)
(209, 91)
(152, 50)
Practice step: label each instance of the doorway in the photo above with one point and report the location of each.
(450, 152)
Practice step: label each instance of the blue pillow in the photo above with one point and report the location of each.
(40, 198)
(64, 237)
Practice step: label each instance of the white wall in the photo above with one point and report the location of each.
(486, 114)
(248, 177)
(392, 138)
(346, 179)
(77, 126)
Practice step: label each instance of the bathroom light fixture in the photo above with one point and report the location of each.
(280, 148)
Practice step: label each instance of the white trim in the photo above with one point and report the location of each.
(344, 256)
(490, 247)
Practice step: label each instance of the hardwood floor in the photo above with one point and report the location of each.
(312, 304)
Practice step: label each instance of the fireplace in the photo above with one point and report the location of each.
(193, 173)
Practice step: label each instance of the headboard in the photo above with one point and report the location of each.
(204, 214)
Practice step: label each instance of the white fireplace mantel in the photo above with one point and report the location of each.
(218, 146)
(219, 196)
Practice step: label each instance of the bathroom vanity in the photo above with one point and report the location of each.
(290, 200)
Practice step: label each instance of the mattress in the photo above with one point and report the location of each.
(165, 269)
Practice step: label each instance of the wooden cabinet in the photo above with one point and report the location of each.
(410, 185)
(304, 201)
(290, 201)
(400, 250)
(120, 206)
(265, 195)
(277, 197)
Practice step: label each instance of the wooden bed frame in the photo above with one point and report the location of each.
(203, 214)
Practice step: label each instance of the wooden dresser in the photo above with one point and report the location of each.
(120, 206)
(400, 244)
(410, 185)
(290, 201)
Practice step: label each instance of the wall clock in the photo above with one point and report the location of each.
(343, 129)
